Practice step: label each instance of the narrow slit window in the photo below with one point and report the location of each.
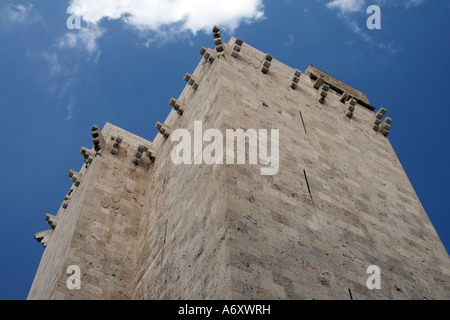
(165, 233)
(303, 122)
(307, 183)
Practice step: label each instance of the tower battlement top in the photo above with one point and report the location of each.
(314, 73)
(338, 85)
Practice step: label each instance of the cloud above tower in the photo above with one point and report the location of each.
(159, 19)
(156, 15)
(346, 5)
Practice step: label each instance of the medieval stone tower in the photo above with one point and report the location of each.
(139, 226)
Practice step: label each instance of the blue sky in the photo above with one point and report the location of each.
(125, 63)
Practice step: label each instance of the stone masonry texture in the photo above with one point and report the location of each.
(141, 227)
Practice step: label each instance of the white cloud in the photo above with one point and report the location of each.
(59, 75)
(390, 47)
(21, 14)
(351, 13)
(154, 15)
(347, 9)
(346, 5)
(161, 20)
(86, 37)
(52, 60)
(290, 40)
(70, 107)
(413, 3)
(354, 26)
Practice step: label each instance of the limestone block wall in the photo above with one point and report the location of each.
(182, 252)
(58, 243)
(98, 229)
(141, 227)
(340, 202)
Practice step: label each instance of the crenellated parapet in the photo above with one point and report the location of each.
(348, 96)
(88, 156)
(218, 42)
(43, 237)
(295, 79)
(177, 106)
(52, 220)
(208, 55)
(350, 107)
(97, 138)
(117, 141)
(323, 92)
(237, 48)
(142, 152)
(191, 80)
(163, 129)
(75, 177)
(267, 63)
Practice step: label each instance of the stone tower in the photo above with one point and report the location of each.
(139, 226)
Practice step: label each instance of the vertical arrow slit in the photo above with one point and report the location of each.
(303, 122)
